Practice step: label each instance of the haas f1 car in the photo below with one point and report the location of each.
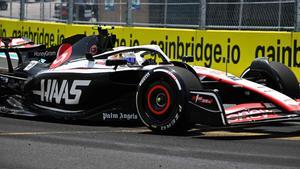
(87, 78)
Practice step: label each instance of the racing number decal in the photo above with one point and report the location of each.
(63, 54)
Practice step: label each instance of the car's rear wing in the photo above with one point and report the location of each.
(206, 107)
(17, 45)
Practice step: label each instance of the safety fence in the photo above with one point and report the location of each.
(199, 14)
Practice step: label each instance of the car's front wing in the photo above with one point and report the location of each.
(206, 107)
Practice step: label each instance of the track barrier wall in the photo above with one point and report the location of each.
(210, 48)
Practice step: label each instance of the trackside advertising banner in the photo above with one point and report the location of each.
(210, 48)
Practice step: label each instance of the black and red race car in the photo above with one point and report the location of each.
(86, 77)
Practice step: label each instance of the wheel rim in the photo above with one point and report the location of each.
(158, 99)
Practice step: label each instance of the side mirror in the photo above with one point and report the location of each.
(187, 59)
(115, 62)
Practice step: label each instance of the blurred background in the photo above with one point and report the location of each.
(279, 15)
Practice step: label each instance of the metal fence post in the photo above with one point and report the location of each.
(129, 13)
(241, 14)
(165, 12)
(70, 11)
(279, 14)
(10, 8)
(22, 9)
(42, 10)
(297, 15)
(50, 11)
(202, 14)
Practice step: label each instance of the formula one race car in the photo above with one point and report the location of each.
(87, 78)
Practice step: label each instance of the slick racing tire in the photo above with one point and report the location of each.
(161, 99)
(274, 75)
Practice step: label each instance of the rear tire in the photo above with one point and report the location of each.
(161, 99)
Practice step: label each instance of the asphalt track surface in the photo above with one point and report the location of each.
(49, 144)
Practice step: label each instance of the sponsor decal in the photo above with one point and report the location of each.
(119, 116)
(54, 91)
(169, 125)
(171, 75)
(110, 116)
(202, 100)
(233, 47)
(144, 79)
(44, 54)
(206, 101)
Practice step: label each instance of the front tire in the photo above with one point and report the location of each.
(274, 75)
(162, 97)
